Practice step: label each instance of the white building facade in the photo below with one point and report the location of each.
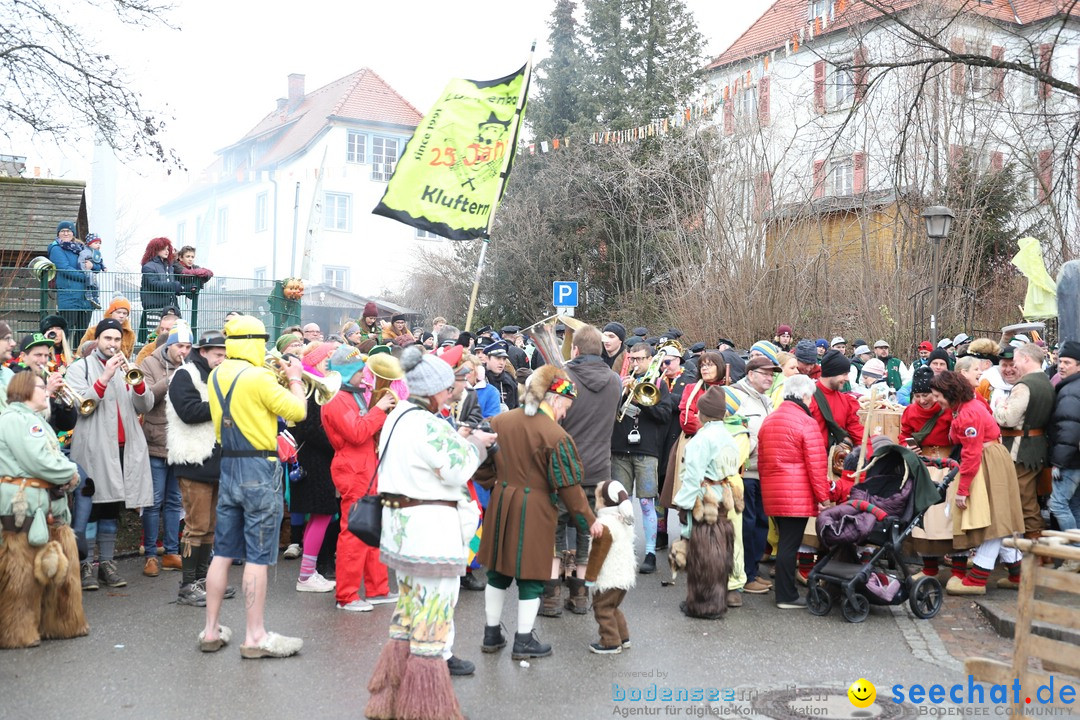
(809, 116)
(319, 163)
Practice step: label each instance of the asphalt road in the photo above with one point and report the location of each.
(141, 659)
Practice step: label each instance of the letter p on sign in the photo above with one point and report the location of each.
(564, 294)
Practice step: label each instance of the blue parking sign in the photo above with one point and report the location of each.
(564, 294)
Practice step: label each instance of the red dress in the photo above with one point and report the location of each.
(972, 427)
(353, 436)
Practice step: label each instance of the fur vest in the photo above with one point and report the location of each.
(619, 570)
(189, 444)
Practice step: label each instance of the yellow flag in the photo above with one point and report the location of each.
(1040, 302)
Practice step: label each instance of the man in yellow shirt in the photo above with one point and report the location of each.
(245, 402)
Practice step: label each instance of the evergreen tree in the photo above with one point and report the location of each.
(644, 59)
(558, 105)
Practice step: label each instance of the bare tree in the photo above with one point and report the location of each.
(59, 83)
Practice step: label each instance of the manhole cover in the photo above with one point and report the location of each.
(810, 703)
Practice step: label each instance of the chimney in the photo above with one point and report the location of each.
(282, 103)
(296, 89)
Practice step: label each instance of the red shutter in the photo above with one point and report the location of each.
(819, 178)
(860, 73)
(998, 54)
(1045, 175)
(819, 86)
(997, 161)
(858, 182)
(1046, 51)
(763, 191)
(957, 76)
(763, 101)
(729, 115)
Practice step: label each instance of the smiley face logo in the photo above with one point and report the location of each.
(862, 693)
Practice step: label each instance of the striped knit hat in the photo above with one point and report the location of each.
(767, 349)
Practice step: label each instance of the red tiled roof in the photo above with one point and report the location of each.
(362, 96)
(782, 20)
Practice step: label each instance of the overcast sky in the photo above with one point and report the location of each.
(223, 64)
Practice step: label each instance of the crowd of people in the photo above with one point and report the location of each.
(501, 457)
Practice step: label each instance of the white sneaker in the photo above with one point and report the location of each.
(383, 599)
(315, 583)
(358, 605)
(292, 552)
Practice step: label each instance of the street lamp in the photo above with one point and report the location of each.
(938, 223)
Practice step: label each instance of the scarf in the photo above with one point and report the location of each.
(71, 246)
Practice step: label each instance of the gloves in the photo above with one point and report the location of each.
(1055, 474)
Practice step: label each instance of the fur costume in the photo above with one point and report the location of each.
(538, 385)
(711, 493)
(40, 589)
(612, 568)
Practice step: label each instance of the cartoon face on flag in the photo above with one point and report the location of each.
(449, 179)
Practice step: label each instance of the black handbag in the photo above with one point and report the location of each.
(365, 515)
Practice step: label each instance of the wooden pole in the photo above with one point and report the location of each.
(516, 124)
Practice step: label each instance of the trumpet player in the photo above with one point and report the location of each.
(637, 440)
(35, 352)
(158, 370)
(109, 445)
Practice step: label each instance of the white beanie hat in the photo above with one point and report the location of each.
(425, 374)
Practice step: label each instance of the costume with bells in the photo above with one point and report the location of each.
(710, 463)
(427, 520)
(612, 567)
(40, 593)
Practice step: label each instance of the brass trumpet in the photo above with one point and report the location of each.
(323, 388)
(132, 375)
(69, 397)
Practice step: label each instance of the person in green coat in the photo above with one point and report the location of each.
(894, 369)
(40, 593)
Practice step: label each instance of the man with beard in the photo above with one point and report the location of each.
(109, 443)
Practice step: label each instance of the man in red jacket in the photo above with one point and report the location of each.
(351, 428)
(836, 412)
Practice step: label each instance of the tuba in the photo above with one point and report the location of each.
(386, 368)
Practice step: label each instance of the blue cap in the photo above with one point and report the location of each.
(496, 349)
(822, 343)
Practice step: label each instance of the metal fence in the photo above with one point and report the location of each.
(25, 298)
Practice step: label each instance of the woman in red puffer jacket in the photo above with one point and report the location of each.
(794, 480)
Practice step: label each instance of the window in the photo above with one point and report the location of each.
(425, 235)
(840, 87)
(356, 147)
(260, 274)
(841, 177)
(384, 155)
(223, 225)
(261, 205)
(181, 227)
(980, 79)
(337, 212)
(336, 276)
(748, 104)
(819, 8)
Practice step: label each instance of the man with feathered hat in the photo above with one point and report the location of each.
(537, 461)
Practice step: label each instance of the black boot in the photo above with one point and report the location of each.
(551, 600)
(494, 640)
(648, 565)
(527, 645)
(206, 554)
(578, 602)
(471, 582)
(189, 565)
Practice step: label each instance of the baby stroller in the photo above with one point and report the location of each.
(882, 511)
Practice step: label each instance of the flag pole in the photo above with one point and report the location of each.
(518, 111)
